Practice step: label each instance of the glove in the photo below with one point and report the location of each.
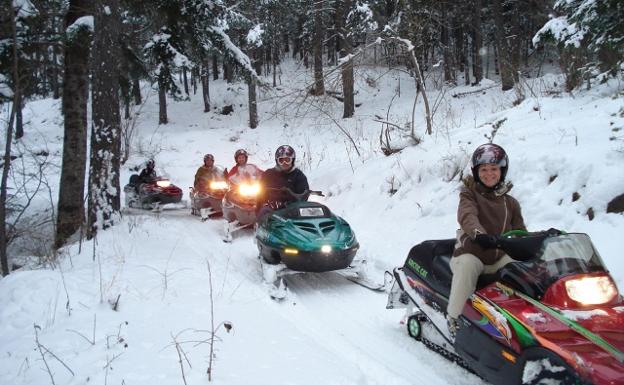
(553, 232)
(488, 241)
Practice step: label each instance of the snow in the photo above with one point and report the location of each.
(25, 8)
(5, 90)
(534, 368)
(535, 317)
(154, 266)
(254, 36)
(81, 22)
(576, 315)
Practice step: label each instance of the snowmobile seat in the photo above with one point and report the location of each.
(442, 254)
(134, 180)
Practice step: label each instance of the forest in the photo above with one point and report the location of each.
(94, 55)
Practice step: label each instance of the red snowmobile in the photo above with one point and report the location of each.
(240, 201)
(554, 317)
(153, 195)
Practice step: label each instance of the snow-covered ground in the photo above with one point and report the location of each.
(174, 280)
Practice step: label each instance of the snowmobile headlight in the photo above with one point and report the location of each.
(218, 185)
(291, 251)
(249, 189)
(591, 290)
(163, 183)
(326, 249)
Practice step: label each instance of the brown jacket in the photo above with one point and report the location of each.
(485, 211)
(205, 175)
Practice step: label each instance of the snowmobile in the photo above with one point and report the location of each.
(239, 205)
(207, 201)
(553, 317)
(304, 237)
(153, 195)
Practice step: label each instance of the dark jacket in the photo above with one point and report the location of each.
(273, 179)
(485, 211)
(147, 175)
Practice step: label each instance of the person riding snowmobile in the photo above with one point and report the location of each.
(276, 180)
(206, 173)
(148, 174)
(243, 170)
(485, 212)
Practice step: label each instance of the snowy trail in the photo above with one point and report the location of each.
(348, 321)
(329, 329)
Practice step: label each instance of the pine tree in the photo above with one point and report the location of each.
(590, 35)
(75, 95)
(104, 189)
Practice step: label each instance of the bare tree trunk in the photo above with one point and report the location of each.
(215, 67)
(502, 48)
(317, 47)
(162, 104)
(205, 81)
(19, 118)
(75, 95)
(297, 43)
(339, 29)
(275, 61)
(446, 48)
(515, 42)
(347, 67)
(6, 166)
(56, 89)
(253, 107)
(228, 73)
(104, 187)
(186, 86)
(347, 89)
(136, 92)
(194, 76)
(477, 43)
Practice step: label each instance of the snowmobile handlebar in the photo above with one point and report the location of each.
(300, 197)
(522, 245)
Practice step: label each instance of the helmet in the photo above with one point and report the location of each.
(150, 164)
(241, 152)
(285, 151)
(489, 153)
(208, 157)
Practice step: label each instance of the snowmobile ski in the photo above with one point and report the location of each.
(362, 280)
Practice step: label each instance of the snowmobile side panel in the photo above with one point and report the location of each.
(486, 356)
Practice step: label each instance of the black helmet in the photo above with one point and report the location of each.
(489, 153)
(241, 152)
(150, 164)
(208, 157)
(285, 151)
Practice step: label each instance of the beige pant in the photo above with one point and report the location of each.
(466, 270)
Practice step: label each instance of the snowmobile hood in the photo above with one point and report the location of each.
(306, 226)
(591, 339)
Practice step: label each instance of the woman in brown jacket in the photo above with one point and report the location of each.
(485, 211)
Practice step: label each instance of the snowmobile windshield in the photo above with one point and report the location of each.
(554, 258)
(219, 173)
(570, 254)
(305, 210)
(246, 173)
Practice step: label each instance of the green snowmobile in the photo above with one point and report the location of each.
(307, 237)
